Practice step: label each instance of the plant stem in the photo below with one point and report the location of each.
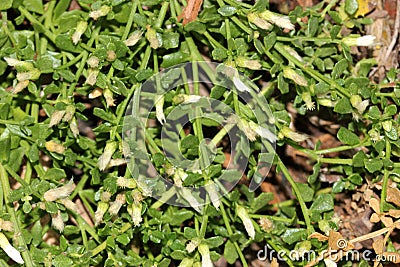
(296, 190)
(230, 232)
(34, 21)
(5, 184)
(316, 75)
(130, 20)
(385, 175)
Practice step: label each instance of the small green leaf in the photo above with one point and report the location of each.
(355, 178)
(351, 6)
(347, 137)
(215, 241)
(373, 165)
(339, 68)
(338, 186)
(101, 113)
(178, 254)
(306, 192)
(293, 235)
(195, 26)
(374, 113)
(6, 4)
(123, 239)
(227, 11)
(170, 40)
(230, 253)
(322, 203)
(54, 174)
(343, 106)
(62, 261)
(261, 201)
(359, 158)
(34, 6)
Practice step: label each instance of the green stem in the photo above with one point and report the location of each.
(33, 20)
(296, 191)
(13, 217)
(386, 173)
(230, 232)
(130, 20)
(336, 161)
(314, 74)
(165, 197)
(161, 15)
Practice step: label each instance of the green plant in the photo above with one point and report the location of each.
(67, 78)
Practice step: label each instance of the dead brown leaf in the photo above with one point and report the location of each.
(318, 236)
(393, 196)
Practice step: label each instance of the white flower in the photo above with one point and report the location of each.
(20, 65)
(266, 224)
(248, 63)
(359, 104)
(96, 93)
(277, 19)
(14, 254)
(205, 256)
(366, 40)
(240, 85)
(92, 76)
(32, 74)
(93, 62)
(212, 190)
(74, 127)
(291, 74)
(288, 133)
(52, 146)
(108, 95)
(60, 192)
(68, 204)
(306, 96)
(126, 182)
(262, 132)
(105, 158)
(153, 37)
(116, 205)
(20, 86)
(293, 53)
(192, 245)
(103, 11)
(250, 133)
(329, 263)
(135, 210)
(57, 222)
(248, 224)
(80, 29)
(187, 195)
(259, 22)
(133, 38)
(160, 109)
(102, 208)
(181, 98)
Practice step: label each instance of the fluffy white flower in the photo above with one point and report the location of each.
(248, 224)
(366, 40)
(160, 109)
(205, 256)
(277, 19)
(14, 254)
(133, 38)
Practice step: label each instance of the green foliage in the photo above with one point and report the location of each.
(61, 124)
